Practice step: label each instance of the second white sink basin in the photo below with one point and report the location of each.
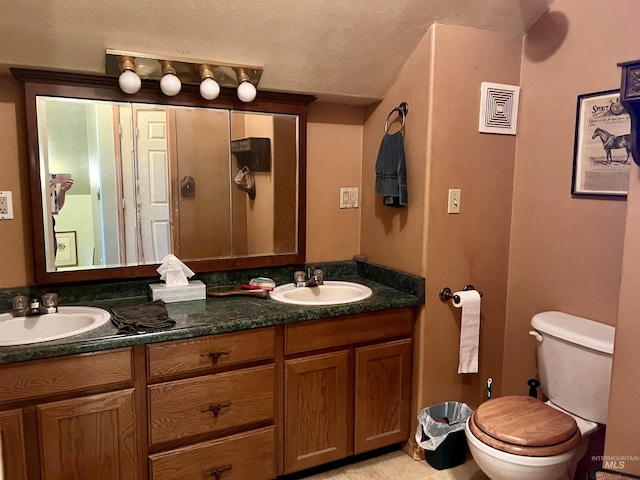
(68, 321)
(330, 293)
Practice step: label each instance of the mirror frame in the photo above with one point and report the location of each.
(97, 87)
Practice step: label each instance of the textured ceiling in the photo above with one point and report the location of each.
(348, 51)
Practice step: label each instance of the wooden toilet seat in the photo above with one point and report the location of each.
(524, 426)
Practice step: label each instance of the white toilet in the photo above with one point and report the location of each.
(521, 438)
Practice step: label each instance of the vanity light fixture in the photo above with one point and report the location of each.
(169, 83)
(129, 80)
(246, 89)
(173, 73)
(209, 88)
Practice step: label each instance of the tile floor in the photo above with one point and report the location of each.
(397, 465)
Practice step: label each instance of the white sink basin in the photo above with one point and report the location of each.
(330, 293)
(68, 321)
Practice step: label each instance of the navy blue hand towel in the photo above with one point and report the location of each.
(391, 171)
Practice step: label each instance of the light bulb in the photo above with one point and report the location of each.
(170, 84)
(129, 82)
(209, 89)
(246, 91)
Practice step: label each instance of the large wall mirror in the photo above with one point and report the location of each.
(118, 181)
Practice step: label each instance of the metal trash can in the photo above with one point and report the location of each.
(441, 433)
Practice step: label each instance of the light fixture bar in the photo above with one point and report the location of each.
(188, 70)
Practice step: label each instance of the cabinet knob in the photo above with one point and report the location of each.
(214, 356)
(218, 471)
(216, 408)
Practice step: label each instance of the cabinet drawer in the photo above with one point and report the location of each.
(210, 403)
(200, 354)
(315, 335)
(246, 456)
(42, 378)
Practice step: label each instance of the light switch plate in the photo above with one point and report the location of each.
(348, 197)
(6, 205)
(454, 201)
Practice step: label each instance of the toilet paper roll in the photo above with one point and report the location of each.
(469, 301)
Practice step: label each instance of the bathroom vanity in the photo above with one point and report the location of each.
(240, 388)
(250, 386)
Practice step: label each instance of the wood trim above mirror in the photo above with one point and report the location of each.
(94, 87)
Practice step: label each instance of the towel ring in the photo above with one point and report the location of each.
(402, 110)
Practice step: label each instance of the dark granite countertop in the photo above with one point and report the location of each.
(391, 289)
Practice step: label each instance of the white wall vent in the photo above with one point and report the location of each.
(498, 108)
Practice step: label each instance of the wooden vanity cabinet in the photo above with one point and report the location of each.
(12, 445)
(82, 436)
(67, 418)
(317, 410)
(246, 405)
(382, 394)
(347, 386)
(213, 407)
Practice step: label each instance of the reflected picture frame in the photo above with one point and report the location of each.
(67, 249)
(602, 146)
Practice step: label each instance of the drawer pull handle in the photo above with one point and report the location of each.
(218, 471)
(214, 356)
(216, 409)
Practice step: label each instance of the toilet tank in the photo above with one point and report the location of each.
(574, 363)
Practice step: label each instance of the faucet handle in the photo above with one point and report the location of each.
(20, 306)
(319, 274)
(50, 303)
(299, 278)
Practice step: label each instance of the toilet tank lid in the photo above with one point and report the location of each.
(581, 331)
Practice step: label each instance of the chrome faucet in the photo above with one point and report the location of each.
(25, 307)
(313, 278)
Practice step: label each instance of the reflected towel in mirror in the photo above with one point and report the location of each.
(244, 179)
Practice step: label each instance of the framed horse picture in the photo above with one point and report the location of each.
(602, 149)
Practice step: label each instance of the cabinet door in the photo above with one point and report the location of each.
(316, 410)
(383, 395)
(89, 437)
(12, 454)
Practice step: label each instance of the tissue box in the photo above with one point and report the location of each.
(196, 290)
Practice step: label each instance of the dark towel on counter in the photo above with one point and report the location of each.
(391, 171)
(148, 317)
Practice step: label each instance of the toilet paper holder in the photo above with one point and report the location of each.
(446, 293)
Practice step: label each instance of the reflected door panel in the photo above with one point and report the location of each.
(202, 184)
(153, 184)
(129, 196)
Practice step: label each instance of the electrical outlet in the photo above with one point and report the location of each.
(6, 205)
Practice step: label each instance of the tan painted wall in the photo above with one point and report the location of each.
(441, 83)
(566, 252)
(15, 235)
(394, 236)
(623, 430)
(334, 158)
(471, 247)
